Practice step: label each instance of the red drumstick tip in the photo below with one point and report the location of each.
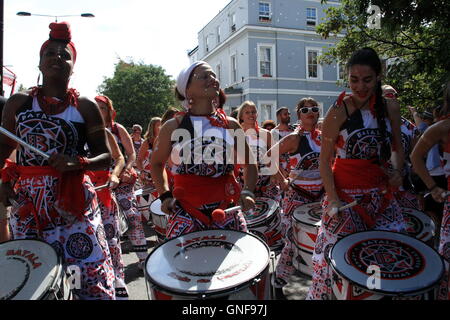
(218, 215)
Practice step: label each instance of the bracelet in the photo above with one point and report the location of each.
(165, 195)
(248, 193)
(83, 161)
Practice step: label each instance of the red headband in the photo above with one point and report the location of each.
(108, 102)
(60, 31)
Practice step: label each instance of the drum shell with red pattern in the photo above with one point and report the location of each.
(302, 258)
(159, 219)
(266, 224)
(305, 225)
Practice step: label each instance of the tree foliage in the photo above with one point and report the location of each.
(139, 92)
(413, 36)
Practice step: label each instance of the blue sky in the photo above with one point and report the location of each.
(155, 32)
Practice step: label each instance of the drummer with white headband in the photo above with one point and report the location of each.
(201, 187)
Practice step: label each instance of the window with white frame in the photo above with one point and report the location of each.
(265, 60)
(233, 69)
(218, 34)
(207, 43)
(311, 16)
(266, 111)
(264, 12)
(219, 72)
(313, 68)
(340, 66)
(233, 22)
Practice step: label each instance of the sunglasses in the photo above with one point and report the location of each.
(307, 109)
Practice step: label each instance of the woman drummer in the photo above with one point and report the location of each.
(438, 133)
(125, 190)
(109, 180)
(201, 183)
(305, 184)
(144, 156)
(361, 132)
(260, 141)
(55, 199)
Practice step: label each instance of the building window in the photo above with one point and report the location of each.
(311, 16)
(206, 44)
(233, 22)
(218, 34)
(219, 72)
(264, 12)
(340, 70)
(313, 68)
(266, 111)
(265, 61)
(233, 69)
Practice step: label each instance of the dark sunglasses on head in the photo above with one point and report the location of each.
(306, 109)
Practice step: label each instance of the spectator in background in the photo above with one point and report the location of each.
(136, 136)
(170, 112)
(268, 125)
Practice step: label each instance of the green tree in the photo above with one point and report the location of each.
(413, 36)
(139, 92)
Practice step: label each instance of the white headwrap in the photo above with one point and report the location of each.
(183, 79)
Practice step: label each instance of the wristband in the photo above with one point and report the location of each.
(83, 161)
(165, 195)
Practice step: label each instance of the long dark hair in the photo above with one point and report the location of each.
(368, 57)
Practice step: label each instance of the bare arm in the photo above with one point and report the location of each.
(397, 155)
(127, 143)
(141, 156)
(119, 160)
(433, 135)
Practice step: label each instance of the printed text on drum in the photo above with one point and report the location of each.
(232, 309)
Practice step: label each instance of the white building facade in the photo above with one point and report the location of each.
(266, 51)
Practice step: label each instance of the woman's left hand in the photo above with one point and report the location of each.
(395, 179)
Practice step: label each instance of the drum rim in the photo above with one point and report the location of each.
(379, 291)
(150, 209)
(168, 290)
(59, 270)
(270, 216)
(318, 223)
(432, 224)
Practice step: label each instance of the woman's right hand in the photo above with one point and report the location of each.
(437, 193)
(332, 207)
(167, 206)
(114, 181)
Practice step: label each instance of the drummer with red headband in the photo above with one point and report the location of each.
(124, 192)
(203, 179)
(439, 134)
(54, 199)
(361, 132)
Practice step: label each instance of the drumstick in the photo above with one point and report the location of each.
(335, 210)
(101, 187)
(23, 143)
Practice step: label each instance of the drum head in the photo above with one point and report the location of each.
(419, 225)
(28, 268)
(309, 214)
(138, 192)
(407, 265)
(155, 207)
(207, 262)
(264, 208)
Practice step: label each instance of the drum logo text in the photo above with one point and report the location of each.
(205, 238)
(26, 254)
